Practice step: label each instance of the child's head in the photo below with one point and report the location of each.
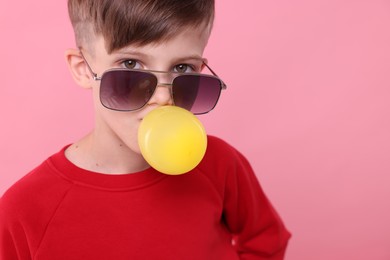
(137, 55)
(138, 22)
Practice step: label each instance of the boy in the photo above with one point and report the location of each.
(98, 198)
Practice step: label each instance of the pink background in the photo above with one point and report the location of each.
(308, 102)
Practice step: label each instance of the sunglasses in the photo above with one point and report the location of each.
(130, 89)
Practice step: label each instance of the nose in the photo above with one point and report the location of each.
(162, 96)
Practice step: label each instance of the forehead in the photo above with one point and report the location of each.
(189, 41)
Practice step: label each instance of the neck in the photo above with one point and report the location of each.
(105, 156)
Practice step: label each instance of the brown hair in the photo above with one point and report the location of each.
(124, 22)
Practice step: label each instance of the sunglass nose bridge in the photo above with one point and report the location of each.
(164, 84)
(164, 78)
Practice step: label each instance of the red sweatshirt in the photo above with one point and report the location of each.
(217, 211)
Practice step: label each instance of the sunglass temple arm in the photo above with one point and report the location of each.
(215, 74)
(94, 75)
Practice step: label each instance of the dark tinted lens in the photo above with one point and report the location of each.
(126, 90)
(196, 93)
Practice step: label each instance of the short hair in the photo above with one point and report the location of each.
(140, 22)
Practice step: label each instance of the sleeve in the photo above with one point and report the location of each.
(13, 241)
(257, 230)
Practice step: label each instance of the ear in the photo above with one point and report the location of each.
(78, 68)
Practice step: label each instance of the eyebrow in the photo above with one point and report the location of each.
(191, 57)
(132, 53)
(145, 56)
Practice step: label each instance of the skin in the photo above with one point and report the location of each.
(112, 146)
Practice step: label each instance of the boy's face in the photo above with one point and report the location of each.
(182, 53)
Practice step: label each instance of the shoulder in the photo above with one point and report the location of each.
(33, 192)
(220, 153)
(27, 207)
(216, 147)
(223, 162)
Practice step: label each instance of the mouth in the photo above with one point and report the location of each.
(147, 110)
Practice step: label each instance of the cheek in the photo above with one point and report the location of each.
(96, 98)
(124, 126)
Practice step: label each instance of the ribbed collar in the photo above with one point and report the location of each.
(67, 170)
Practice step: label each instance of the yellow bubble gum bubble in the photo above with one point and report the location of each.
(172, 140)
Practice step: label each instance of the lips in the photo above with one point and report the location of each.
(146, 111)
